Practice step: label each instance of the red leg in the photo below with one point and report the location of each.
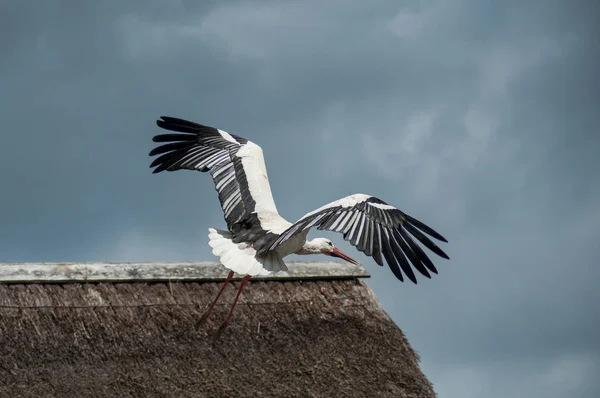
(208, 311)
(237, 296)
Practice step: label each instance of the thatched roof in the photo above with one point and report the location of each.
(307, 336)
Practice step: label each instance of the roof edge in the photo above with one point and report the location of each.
(165, 271)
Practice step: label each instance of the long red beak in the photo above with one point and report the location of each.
(340, 254)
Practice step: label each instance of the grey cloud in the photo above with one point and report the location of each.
(478, 117)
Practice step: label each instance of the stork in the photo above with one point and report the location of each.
(257, 238)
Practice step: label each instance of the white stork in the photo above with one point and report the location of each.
(258, 238)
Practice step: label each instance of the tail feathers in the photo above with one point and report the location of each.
(273, 262)
(241, 257)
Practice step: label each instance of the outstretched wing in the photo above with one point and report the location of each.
(375, 228)
(236, 165)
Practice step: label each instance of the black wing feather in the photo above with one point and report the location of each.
(418, 251)
(424, 228)
(388, 253)
(414, 259)
(173, 146)
(425, 240)
(377, 244)
(402, 260)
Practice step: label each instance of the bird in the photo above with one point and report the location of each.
(258, 238)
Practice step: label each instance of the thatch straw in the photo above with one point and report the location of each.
(287, 339)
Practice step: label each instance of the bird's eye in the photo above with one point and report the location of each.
(330, 244)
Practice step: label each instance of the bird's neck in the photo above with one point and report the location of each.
(309, 248)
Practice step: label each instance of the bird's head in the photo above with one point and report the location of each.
(326, 247)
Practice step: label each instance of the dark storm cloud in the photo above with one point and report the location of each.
(478, 117)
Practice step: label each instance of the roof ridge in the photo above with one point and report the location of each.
(60, 272)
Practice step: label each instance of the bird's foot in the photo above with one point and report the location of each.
(219, 332)
(224, 325)
(203, 319)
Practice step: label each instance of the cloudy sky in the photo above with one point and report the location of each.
(478, 117)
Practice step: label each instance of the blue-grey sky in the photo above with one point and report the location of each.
(478, 117)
